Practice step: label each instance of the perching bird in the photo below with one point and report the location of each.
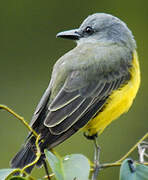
(91, 85)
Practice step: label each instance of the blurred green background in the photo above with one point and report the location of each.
(28, 50)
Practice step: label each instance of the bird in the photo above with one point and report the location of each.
(90, 86)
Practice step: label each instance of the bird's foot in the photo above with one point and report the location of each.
(92, 137)
(96, 155)
(96, 160)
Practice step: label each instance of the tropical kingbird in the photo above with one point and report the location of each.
(91, 85)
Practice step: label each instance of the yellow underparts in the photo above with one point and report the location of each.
(118, 103)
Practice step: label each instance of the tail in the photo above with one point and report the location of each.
(24, 157)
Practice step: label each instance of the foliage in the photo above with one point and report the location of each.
(77, 166)
(131, 170)
(70, 167)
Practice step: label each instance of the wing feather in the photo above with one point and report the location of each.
(73, 118)
(54, 118)
(63, 99)
(61, 120)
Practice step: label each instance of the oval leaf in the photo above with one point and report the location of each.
(76, 166)
(4, 173)
(18, 178)
(55, 164)
(142, 172)
(133, 171)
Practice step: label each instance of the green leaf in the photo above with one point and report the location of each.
(133, 171)
(18, 178)
(142, 172)
(70, 167)
(4, 173)
(55, 164)
(21, 178)
(76, 166)
(8, 174)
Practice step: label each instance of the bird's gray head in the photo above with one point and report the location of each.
(101, 27)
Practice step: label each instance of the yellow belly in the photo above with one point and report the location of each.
(118, 103)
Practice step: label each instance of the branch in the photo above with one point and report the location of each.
(132, 149)
(107, 165)
(20, 118)
(119, 162)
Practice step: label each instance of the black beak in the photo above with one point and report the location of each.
(71, 34)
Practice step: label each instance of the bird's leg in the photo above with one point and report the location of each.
(96, 160)
(96, 155)
(46, 169)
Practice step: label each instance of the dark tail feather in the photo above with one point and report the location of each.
(25, 156)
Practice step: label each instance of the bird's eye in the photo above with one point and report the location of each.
(89, 30)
